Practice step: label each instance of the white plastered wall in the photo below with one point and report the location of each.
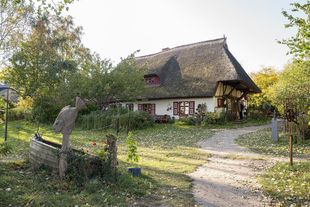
(161, 106)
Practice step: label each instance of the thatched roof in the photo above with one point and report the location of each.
(194, 70)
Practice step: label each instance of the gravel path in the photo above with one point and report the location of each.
(228, 179)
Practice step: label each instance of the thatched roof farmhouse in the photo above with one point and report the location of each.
(181, 78)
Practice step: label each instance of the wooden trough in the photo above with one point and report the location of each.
(43, 152)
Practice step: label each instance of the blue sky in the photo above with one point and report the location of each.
(116, 28)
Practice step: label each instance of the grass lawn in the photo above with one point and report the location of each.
(261, 142)
(288, 185)
(168, 153)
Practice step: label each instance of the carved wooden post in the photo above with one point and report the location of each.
(112, 151)
(290, 116)
(65, 147)
(112, 156)
(64, 124)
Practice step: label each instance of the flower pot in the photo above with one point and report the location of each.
(135, 171)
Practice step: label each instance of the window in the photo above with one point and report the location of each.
(220, 103)
(152, 80)
(149, 108)
(183, 108)
(129, 106)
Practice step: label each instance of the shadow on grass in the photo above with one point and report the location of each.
(167, 187)
(21, 186)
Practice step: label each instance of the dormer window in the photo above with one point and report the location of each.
(152, 80)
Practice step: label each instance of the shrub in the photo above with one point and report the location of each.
(82, 167)
(23, 109)
(19, 113)
(45, 109)
(132, 149)
(189, 120)
(108, 119)
(205, 118)
(214, 118)
(135, 120)
(5, 148)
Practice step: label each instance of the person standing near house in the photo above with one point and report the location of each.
(241, 107)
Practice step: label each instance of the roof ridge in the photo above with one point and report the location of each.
(182, 46)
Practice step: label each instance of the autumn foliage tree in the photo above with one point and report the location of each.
(265, 79)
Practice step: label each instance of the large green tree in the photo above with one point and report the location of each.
(293, 86)
(46, 58)
(299, 17)
(15, 18)
(53, 66)
(102, 83)
(294, 82)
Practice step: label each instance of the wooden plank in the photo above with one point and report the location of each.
(40, 148)
(43, 146)
(39, 151)
(39, 161)
(44, 157)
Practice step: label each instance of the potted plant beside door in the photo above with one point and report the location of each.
(132, 155)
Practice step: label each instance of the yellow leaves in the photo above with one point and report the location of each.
(25, 103)
(264, 79)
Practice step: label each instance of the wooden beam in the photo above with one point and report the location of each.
(231, 91)
(243, 95)
(224, 88)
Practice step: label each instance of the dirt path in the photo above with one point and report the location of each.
(228, 179)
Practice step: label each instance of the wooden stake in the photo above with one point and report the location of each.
(291, 146)
(6, 116)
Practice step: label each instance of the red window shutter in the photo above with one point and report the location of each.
(139, 107)
(153, 110)
(220, 102)
(191, 107)
(175, 108)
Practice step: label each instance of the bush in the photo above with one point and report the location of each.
(214, 118)
(20, 113)
(189, 120)
(109, 119)
(135, 120)
(82, 167)
(260, 112)
(132, 149)
(206, 118)
(45, 109)
(5, 148)
(23, 109)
